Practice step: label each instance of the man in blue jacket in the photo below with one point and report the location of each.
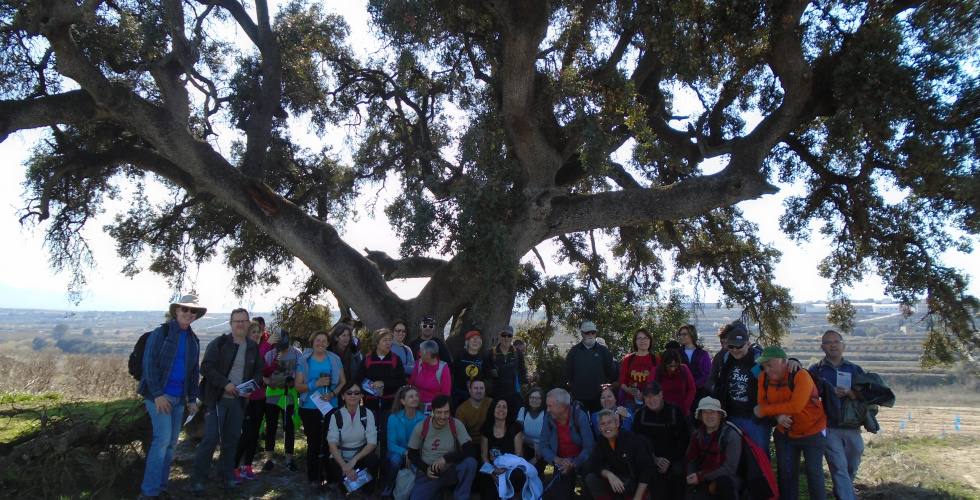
(169, 381)
(566, 441)
(230, 360)
(844, 445)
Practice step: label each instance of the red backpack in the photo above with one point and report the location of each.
(754, 466)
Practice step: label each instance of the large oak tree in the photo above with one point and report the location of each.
(505, 124)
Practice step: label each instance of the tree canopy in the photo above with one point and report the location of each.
(504, 125)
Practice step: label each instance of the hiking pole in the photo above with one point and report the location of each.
(553, 479)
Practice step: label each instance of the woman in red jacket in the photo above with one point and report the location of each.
(676, 380)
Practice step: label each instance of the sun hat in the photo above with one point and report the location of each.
(473, 333)
(709, 403)
(587, 327)
(188, 301)
(771, 352)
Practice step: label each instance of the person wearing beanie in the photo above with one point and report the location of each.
(468, 365)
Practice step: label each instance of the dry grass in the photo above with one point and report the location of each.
(73, 375)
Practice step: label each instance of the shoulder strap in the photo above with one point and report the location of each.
(442, 366)
(338, 418)
(363, 417)
(425, 430)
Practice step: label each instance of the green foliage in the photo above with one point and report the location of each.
(59, 330)
(301, 316)
(625, 133)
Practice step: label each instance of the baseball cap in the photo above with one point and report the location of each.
(652, 387)
(588, 326)
(771, 352)
(737, 336)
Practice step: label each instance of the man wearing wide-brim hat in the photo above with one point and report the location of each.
(168, 383)
(713, 455)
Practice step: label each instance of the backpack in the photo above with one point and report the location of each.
(826, 393)
(340, 419)
(442, 366)
(136, 357)
(452, 430)
(754, 466)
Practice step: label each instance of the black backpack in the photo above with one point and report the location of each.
(340, 419)
(136, 357)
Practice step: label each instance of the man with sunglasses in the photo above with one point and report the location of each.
(509, 372)
(738, 387)
(168, 383)
(427, 329)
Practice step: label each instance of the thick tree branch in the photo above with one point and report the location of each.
(412, 267)
(74, 107)
(682, 200)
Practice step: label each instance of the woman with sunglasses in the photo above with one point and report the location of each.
(353, 437)
(509, 372)
(398, 330)
(405, 415)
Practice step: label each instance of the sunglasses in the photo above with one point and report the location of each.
(399, 330)
(187, 309)
(352, 393)
(428, 326)
(505, 335)
(735, 347)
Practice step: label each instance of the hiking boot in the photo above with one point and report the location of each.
(291, 466)
(196, 490)
(269, 465)
(248, 473)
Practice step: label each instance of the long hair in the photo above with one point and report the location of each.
(669, 356)
(403, 391)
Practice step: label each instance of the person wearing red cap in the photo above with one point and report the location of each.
(469, 365)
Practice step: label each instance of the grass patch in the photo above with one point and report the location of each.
(21, 416)
(26, 397)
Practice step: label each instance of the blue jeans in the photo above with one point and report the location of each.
(460, 474)
(788, 451)
(758, 433)
(843, 452)
(222, 424)
(166, 431)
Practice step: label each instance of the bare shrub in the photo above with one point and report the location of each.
(95, 376)
(27, 371)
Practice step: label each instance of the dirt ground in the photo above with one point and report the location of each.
(917, 472)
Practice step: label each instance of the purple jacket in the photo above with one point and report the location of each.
(699, 364)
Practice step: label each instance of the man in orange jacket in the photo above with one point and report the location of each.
(793, 402)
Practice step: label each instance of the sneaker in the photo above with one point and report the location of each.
(291, 466)
(238, 476)
(248, 473)
(196, 490)
(269, 465)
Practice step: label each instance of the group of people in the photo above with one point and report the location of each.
(648, 426)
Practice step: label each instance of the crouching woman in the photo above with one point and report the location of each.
(712, 457)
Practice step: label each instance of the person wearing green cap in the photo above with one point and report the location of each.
(793, 402)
